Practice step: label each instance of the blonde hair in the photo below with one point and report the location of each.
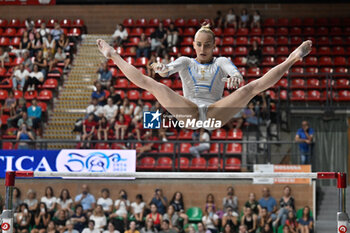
(206, 29)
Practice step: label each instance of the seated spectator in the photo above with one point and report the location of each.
(20, 109)
(104, 75)
(231, 19)
(166, 227)
(86, 199)
(61, 220)
(89, 127)
(99, 218)
(166, 59)
(150, 70)
(228, 228)
(111, 228)
(24, 45)
(120, 35)
(264, 219)
(4, 57)
(65, 202)
(99, 94)
(9, 105)
(172, 36)
(110, 110)
(173, 219)
(31, 201)
(242, 229)
(60, 56)
(306, 223)
(231, 218)
(143, 47)
(230, 200)
(155, 216)
(117, 99)
(256, 22)
(253, 204)
(43, 30)
(254, 56)
(34, 112)
(249, 220)
(105, 201)
(210, 202)
(158, 39)
(179, 206)
(103, 128)
(95, 109)
(49, 47)
(35, 78)
(29, 23)
(138, 111)
(69, 227)
(27, 60)
(41, 62)
(202, 229)
(23, 218)
(244, 19)
(19, 77)
(219, 20)
(63, 42)
(132, 228)
(291, 222)
(122, 206)
(91, 228)
(269, 203)
(50, 200)
(51, 227)
(149, 227)
(56, 32)
(127, 110)
(250, 116)
(16, 200)
(204, 145)
(41, 219)
(210, 219)
(137, 209)
(23, 136)
(286, 205)
(148, 136)
(37, 44)
(79, 218)
(120, 127)
(267, 229)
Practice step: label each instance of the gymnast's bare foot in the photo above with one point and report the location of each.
(105, 48)
(303, 50)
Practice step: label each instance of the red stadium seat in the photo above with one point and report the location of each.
(269, 31)
(240, 61)
(340, 61)
(14, 23)
(215, 164)
(295, 31)
(44, 95)
(242, 32)
(283, 82)
(147, 96)
(65, 23)
(253, 72)
(50, 83)
(121, 93)
(313, 83)
(29, 95)
(149, 31)
(323, 40)
(342, 83)
(187, 41)
(255, 32)
(341, 72)
(311, 61)
(321, 21)
(217, 31)
(198, 164)
(192, 22)
(322, 31)
(337, 40)
(268, 50)
(174, 51)
(241, 41)
(283, 95)
(234, 148)
(272, 94)
(166, 22)
(338, 50)
(2, 72)
(184, 164)
(51, 23)
(282, 22)
(232, 164)
(255, 38)
(128, 22)
(296, 72)
(167, 82)
(154, 22)
(309, 22)
(268, 61)
(325, 61)
(311, 71)
(180, 22)
(20, 32)
(185, 148)
(343, 95)
(216, 51)
(15, 42)
(309, 31)
(336, 31)
(38, 23)
(141, 22)
(186, 51)
(269, 40)
(3, 23)
(240, 51)
(137, 31)
(313, 95)
(78, 23)
(282, 40)
(243, 71)
(227, 51)
(9, 32)
(189, 31)
(295, 40)
(298, 95)
(3, 94)
(177, 84)
(102, 146)
(7, 146)
(141, 61)
(133, 95)
(269, 22)
(228, 41)
(167, 148)
(164, 164)
(324, 50)
(133, 41)
(130, 60)
(280, 59)
(185, 135)
(297, 83)
(282, 31)
(218, 134)
(218, 41)
(121, 83)
(234, 134)
(215, 148)
(146, 163)
(229, 31)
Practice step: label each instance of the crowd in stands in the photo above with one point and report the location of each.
(87, 213)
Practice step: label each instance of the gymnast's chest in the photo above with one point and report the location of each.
(203, 74)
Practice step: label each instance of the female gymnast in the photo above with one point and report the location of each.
(203, 80)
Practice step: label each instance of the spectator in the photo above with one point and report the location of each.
(219, 20)
(110, 110)
(99, 94)
(204, 139)
(104, 75)
(237, 121)
(249, 220)
(86, 199)
(37, 44)
(210, 219)
(158, 39)
(155, 216)
(173, 219)
(16, 201)
(79, 218)
(243, 229)
(103, 128)
(231, 19)
(27, 60)
(4, 57)
(51, 227)
(228, 228)
(91, 228)
(43, 30)
(254, 56)
(138, 111)
(253, 204)
(120, 127)
(230, 200)
(34, 112)
(304, 137)
(120, 35)
(89, 127)
(56, 32)
(190, 229)
(65, 202)
(179, 206)
(35, 78)
(268, 202)
(60, 56)
(166, 59)
(50, 200)
(105, 201)
(122, 206)
(149, 136)
(69, 227)
(41, 62)
(305, 223)
(19, 77)
(63, 42)
(249, 114)
(23, 218)
(165, 227)
(9, 105)
(149, 227)
(291, 222)
(137, 209)
(210, 202)
(132, 228)
(267, 229)
(24, 45)
(172, 35)
(60, 221)
(99, 218)
(201, 228)
(117, 99)
(111, 228)
(127, 110)
(143, 47)
(49, 47)
(20, 109)
(256, 22)
(23, 136)
(29, 23)
(150, 70)
(41, 219)
(244, 18)
(231, 218)
(264, 219)
(94, 108)
(286, 205)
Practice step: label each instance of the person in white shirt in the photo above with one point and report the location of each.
(105, 201)
(4, 57)
(204, 145)
(231, 18)
(60, 56)
(94, 108)
(120, 35)
(19, 77)
(43, 30)
(138, 207)
(35, 78)
(210, 219)
(122, 206)
(110, 110)
(99, 217)
(91, 228)
(65, 202)
(203, 80)
(50, 200)
(70, 229)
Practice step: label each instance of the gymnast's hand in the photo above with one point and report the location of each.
(105, 48)
(160, 68)
(233, 81)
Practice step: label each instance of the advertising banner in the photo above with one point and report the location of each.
(27, 2)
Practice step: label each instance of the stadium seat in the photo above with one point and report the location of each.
(133, 41)
(240, 51)
(324, 50)
(227, 51)
(313, 83)
(323, 40)
(326, 82)
(142, 22)
(325, 61)
(43, 106)
(338, 50)
(234, 134)
(102, 146)
(311, 61)
(194, 214)
(3, 94)
(242, 32)
(311, 71)
(341, 72)
(198, 164)
(298, 95)
(50, 83)
(217, 32)
(215, 148)
(282, 40)
(130, 60)
(242, 40)
(282, 22)
(268, 50)
(342, 83)
(149, 31)
(184, 164)
(190, 31)
(309, 31)
(164, 164)
(133, 95)
(121, 83)
(7, 146)
(214, 164)
(269, 31)
(308, 22)
(180, 22)
(147, 96)
(321, 21)
(232, 164)
(297, 83)
(255, 32)
(78, 23)
(14, 23)
(314, 95)
(3, 72)
(18, 94)
(229, 31)
(167, 148)
(253, 72)
(280, 59)
(121, 93)
(65, 23)
(3, 23)
(174, 51)
(186, 51)
(283, 95)
(51, 23)
(141, 61)
(137, 31)
(322, 31)
(154, 22)
(268, 61)
(340, 61)
(192, 22)
(185, 147)
(269, 22)
(269, 40)
(234, 148)
(296, 72)
(128, 22)
(146, 163)
(166, 22)
(295, 31)
(228, 40)
(45, 95)
(240, 61)
(283, 83)
(282, 31)
(336, 31)
(255, 38)
(9, 32)
(185, 135)
(242, 70)
(187, 41)
(337, 40)
(343, 95)
(272, 94)
(218, 134)
(29, 95)
(4, 41)
(15, 42)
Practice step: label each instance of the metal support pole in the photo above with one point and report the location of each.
(342, 216)
(7, 214)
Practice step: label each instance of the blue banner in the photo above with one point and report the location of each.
(67, 160)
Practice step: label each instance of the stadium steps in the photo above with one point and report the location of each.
(75, 94)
